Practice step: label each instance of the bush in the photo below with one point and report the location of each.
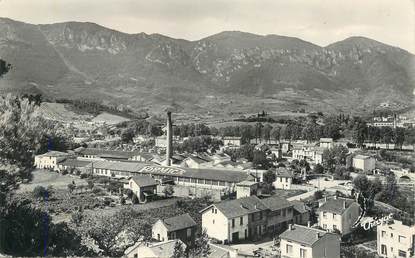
(96, 190)
(122, 200)
(64, 172)
(39, 192)
(83, 176)
(135, 199)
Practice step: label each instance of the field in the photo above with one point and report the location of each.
(109, 118)
(44, 178)
(59, 112)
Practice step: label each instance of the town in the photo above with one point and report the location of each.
(239, 194)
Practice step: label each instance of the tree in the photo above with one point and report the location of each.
(318, 195)
(39, 192)
(269, 177)
(390, 192)
(71, 188)
(108, 231)
(168, 191)
(135, 200)
(260, 160)
(318, 169)
(201, 247)
(179, 250)
(334, 156)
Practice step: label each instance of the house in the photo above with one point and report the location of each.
(181, 227)
(306, 242)
(50, 159)
(231, 141)
(155, 250)
(395, 239)
(246, 188)
(301, 213)
(142, 186)
(234, 220)
(365, 163)
(338, 214)
(283, 178)
(280, 214)
(308, 152)
(285, 146)
(326, 143)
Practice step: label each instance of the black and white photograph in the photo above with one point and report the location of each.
(216, 128)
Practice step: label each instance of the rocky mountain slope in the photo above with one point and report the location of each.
(85, 60)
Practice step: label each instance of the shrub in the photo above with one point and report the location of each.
(168, 191)
(96, 190)
(39, 192)
(83, 176)
(64, 172)
(135, 199)
(122, 200)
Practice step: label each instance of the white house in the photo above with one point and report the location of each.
(232, 141)
(142, 187)
(50, 159)
(246, 188)
(306, 242)
(338, 214)
(395, 239)
(326, 143)
(228, 221)
(283, 179)
(365, 163)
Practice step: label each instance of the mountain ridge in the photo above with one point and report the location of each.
(87, 60)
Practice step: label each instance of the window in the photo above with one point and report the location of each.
(383, 233)
(303, 253)
(216, 211)
(402, 253)
(135, 255)
(289, 249)
(334, 215)
(260, 215)
(391, 235)
(383, 250)
(241, 222)
(213, 210)
(401, 239)
(324, 214)
(278, 213)
(233, 223)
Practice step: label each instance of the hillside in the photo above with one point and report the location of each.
(227, 73)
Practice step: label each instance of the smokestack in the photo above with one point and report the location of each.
(169, 139)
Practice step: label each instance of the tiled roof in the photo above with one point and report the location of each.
(119, 166)
(247, 183)
(240, 207)
(276, 203)
(75, 163)
(217, 174)
(336, 205)
(107, 153)
(143, 181)
(55, 154)
(179, 222)
(303, 235)
(361, 157)
(299, 206)
(165, 249)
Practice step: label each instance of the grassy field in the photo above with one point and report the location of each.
(44, 178)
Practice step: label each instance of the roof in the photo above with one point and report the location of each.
(299, 206)
(217, 174)
(276, 203)
(107, 153)
(179, 222)
(336, 205)
(361, 157)
(326, 139)
(54, 154)
(240, 207)
(302, 234)
(247, 183)
(232, 138)
(118, 166)
(165, 249)
(75, 163)
(283, 172)
(143, 181)
(196, 159)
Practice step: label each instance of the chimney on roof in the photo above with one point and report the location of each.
(309, 224)
(256, 207)
(344, 204)
(290, 226)
(318, 235)
(335, 197)
(169, 128)
(325, 198)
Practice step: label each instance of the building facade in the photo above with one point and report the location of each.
(395, 239)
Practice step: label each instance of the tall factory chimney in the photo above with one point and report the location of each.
(169, 150)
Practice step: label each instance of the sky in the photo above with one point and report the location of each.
(318, 21)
